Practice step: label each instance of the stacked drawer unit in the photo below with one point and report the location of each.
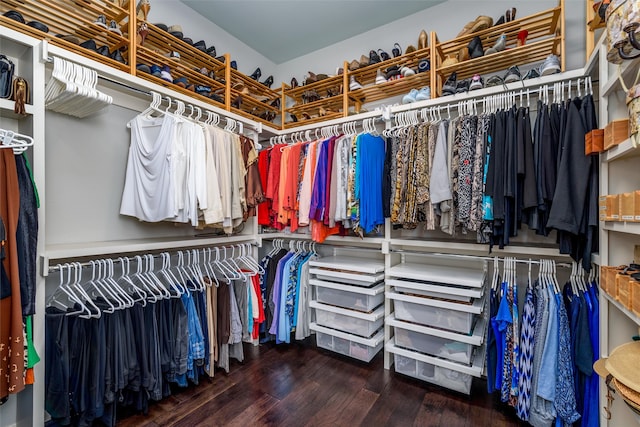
(437, 324)
(348, 305)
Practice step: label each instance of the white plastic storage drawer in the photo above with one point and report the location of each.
(437, 313)
(349, 321)
(435, 346)
(349, 345)
(433, 374)
(357, 279)
(347, 296)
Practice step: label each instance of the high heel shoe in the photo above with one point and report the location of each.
(499, 46)
(522, 37)
(256, 74)
(422, 40)
(383, 55)
(396, 51)
(268, 82)
(294, 83)
(141, 36)
(142, 8)
(410, 49)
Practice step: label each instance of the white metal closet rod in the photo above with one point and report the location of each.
(57, 267)
(136, 84)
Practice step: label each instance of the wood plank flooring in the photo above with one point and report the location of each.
(301, 385)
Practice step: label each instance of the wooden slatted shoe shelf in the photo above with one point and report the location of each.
(372, 92)
(257, 101)
(159, 44)
(75, 18)
(329, 105)
(545, 36)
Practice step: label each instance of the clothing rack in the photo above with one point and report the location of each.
(219, 250)
(367, 124)
(477, 257)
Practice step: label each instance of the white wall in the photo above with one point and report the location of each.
(196, 27)
(446, 19)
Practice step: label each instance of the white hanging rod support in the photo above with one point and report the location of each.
(534, 259)
(159, 254)
(46, 56)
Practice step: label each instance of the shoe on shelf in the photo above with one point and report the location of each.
(156, 71)
(89, 44)
(181, 81)
(165, 74)
(354, 65)
(495, 81)
(507, 15)
(500, 21)
(449, 86)
(449, 60)
(463, 54)
(392, 72)
(406, 71)
(256, 74)
(512, 74)
(176, 31)
(364, 61)
(268, 81)
(380, 78)
(476, 82)
(475, 48)
(294, 83)
(141, 34)
(384, 56)
(531, 74)
(101, 20)
(117, 55)
(462, 86)
(522, 37)
(410, 49)
(234, 65)
(143, 68)
(353, 84)
(211, 51)
(410, 97)
(424, 65)
(551, 65)
(104, 51)
(396, 51)
(499, 46)
(173, 55)
(373, 57)
(481, 23)
(424, 94)
(422, 40)
(513, 13)
(113, 27)
(201, 45)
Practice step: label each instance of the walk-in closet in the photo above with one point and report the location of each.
(319, 213)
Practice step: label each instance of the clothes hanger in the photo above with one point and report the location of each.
(16, 141)
(129, 300)
(132, 288)
(71, 297)
(94, 311)
(93, 285)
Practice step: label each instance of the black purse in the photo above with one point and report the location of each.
(6, 76)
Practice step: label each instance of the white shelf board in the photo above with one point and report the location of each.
(475, 369)
(595, 259)
(460, 276)
(631, 315)
(623, 150)
(628, 69)
(88, 249)
(593, 60)
(623, 227)
(455, 247)
(475, 338)
(6, 109)
(362, 265)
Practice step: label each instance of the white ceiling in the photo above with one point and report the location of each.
(285, 29)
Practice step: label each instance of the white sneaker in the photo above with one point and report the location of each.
(354, 85)
(424, 94)
(551, 65)
(380, 78)
(410, 97)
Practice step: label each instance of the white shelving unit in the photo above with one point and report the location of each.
(436, 319)
(27, 407)
(348, 304)
(618, 174)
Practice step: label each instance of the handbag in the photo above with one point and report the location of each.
(20, 94)
(6, 76)
(623, 18)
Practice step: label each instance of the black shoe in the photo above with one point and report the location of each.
(512, 75)
(383, 55)
(212, 52)
(396, 51)
(220, 58)
(268, 82)
(104, 50)
(531, 74)
(462, 86)
(494, 81)
(449, 86)
(201, 45)
(475, 48)
(89, 44)
(373, 57)
(233, 65)
(117, 55)
(256, 74)
(500, 21)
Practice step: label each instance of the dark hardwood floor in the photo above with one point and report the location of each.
(301, 385)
